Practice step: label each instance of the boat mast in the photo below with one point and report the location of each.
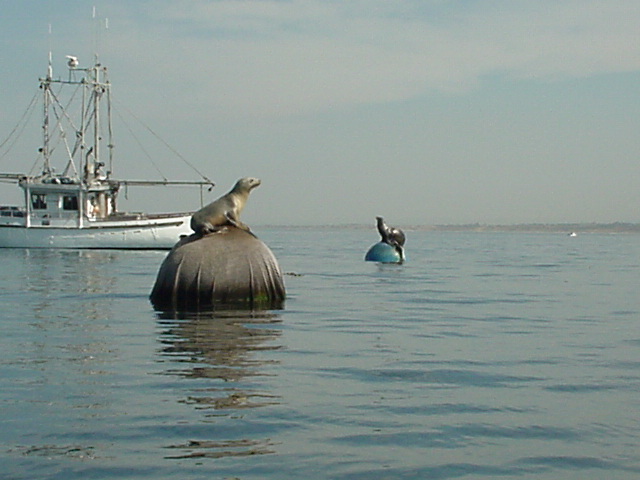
(109, 133)
(96, 118)
(83, 124)
(46, 87)
(96, 87)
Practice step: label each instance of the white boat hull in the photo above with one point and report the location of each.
(148, 234)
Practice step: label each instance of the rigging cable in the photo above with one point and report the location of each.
(161, 140)
(22, 123)
(137, 140)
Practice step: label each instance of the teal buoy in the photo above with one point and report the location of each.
(383, 253)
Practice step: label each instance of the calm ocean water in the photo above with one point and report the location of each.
(487, 355)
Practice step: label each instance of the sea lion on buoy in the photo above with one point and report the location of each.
(392, 236)
(225, 210)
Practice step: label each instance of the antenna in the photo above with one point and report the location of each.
(97, 30)
(50, 68)
(96, 33)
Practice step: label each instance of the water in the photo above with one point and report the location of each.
(485, 356)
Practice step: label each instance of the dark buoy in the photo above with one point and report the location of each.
(390, 249)
(228, 268)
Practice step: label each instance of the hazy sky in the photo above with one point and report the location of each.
(423, 111)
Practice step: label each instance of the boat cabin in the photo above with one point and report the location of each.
(61, 202)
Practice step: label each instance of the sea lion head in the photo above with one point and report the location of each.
(246, 184)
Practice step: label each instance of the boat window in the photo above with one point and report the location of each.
(39, 201)
(70, 202)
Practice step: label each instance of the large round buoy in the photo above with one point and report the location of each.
(229, 268)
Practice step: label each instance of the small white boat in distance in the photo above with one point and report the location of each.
(77, 208)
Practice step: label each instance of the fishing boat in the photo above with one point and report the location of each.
(77, 207)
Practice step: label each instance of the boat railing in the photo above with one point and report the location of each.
(125, 216)
(52, 214)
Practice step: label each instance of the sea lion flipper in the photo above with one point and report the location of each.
(233, 220)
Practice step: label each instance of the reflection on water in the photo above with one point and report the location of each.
(59, 276)
(231, 448)
(58, 315)
(217, 350)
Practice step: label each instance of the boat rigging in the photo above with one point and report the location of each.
(77, 208)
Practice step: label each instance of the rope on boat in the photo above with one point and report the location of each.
(178, 154)
(141, 146)
(21, 125)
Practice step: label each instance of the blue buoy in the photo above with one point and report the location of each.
(383, 253)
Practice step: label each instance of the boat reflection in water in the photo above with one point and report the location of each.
(220, 352)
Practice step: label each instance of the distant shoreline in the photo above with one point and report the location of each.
(617, 227)
(567, 228)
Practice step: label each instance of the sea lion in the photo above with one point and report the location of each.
(392, 236)
(225, 210)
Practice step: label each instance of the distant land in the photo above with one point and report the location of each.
(616, 227)
(567, 228)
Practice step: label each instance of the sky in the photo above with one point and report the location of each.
(423, 111)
